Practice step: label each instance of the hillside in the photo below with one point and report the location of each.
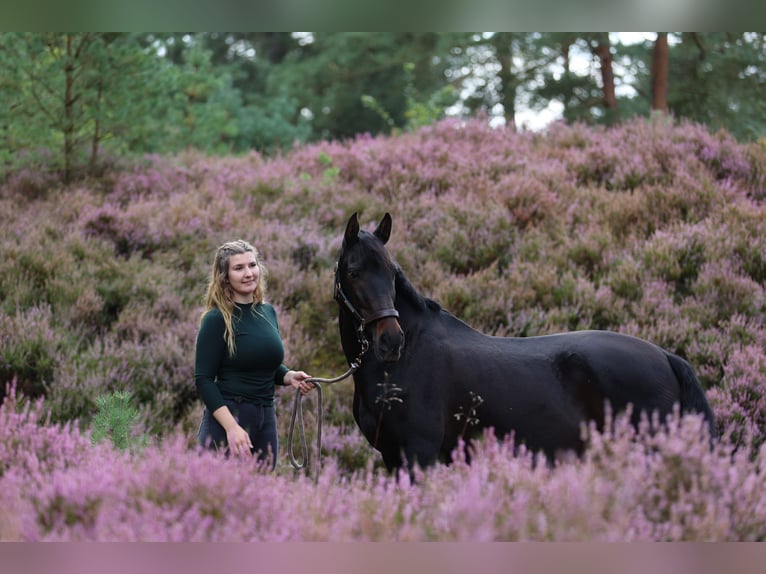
(651, 229)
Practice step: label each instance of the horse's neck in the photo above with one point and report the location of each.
(418, 310)
(407, 295)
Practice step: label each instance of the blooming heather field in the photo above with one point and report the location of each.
(650, 229)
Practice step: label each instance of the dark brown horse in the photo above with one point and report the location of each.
(430, 378)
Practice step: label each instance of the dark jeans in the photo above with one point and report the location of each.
(260, 422)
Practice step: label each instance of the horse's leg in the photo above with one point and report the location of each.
(392, 458)
(422, 448)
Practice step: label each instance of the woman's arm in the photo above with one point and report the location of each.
(210, 349)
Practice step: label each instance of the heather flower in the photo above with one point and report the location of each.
(648, 228)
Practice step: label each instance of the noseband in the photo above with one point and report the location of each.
(341, 297)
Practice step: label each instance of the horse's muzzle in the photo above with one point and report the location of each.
(388, 339)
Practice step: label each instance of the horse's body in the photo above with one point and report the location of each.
(432, 378)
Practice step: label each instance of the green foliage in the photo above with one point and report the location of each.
(205, 106)
(353, 83)
(117, 420)
(66, 97)
(371, 103)
(420, 111)
(72, 103)
(718, 79)
(550, 56)
(270, 122)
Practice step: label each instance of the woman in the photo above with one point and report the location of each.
(239, 356)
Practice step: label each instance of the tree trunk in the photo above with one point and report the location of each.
(660, 64)
(503, 44)
(604, 53)
(68, 111)
(96, 129)
(567, 96)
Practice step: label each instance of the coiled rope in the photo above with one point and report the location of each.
(298, 416)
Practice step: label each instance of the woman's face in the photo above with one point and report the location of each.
(243, 276)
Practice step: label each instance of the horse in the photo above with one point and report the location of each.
(432, 380)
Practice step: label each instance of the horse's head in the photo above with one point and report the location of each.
(364, 286)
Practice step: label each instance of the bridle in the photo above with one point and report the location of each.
(343, 299)
(297, 415)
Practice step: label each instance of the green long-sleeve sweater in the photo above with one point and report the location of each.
(256, 366)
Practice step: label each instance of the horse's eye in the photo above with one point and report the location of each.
(353, 274)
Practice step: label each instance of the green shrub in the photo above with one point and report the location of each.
(116, 420)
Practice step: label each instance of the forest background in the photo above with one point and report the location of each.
(127, 159)
(75, 103)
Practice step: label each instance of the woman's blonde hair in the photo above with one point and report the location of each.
(219, 294)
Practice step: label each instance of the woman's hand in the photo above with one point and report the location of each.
(239, 441)
(237, 437)
(297, 380)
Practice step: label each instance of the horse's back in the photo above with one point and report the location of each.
(604, 365)
(543, 388)
(624, 368)
(615, 363)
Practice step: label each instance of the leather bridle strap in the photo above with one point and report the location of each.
(341, 297)
(381, 314)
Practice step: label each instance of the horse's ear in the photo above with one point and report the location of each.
(383, 231)
(352, 229)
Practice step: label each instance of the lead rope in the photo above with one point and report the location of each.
(298, 415)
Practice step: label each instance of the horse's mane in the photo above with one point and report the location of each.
(408, 291)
